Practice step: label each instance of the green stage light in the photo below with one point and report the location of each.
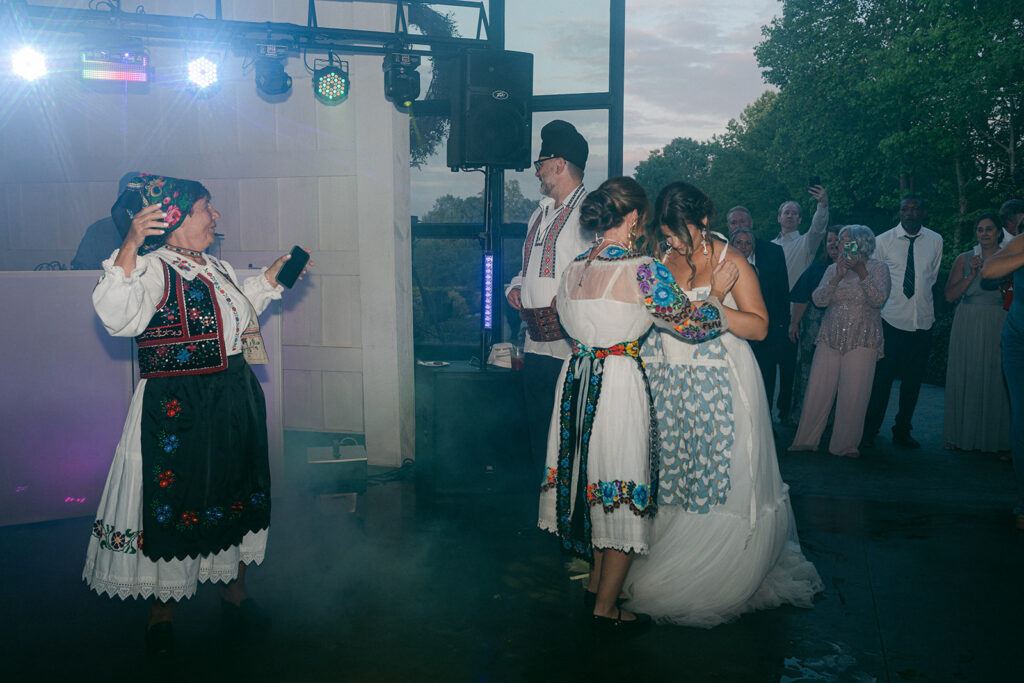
(330, 81)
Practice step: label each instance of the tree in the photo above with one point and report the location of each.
(889, 97)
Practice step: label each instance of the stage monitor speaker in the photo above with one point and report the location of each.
(491, 110)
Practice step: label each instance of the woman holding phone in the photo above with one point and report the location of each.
(853, 290)
(977, 415)
(187, 499)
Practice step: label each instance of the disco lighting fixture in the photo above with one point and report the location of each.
(330, 81)
(130, 66)
(28, 64)
(401, 79)
(488, 291)
(202, 76)
(271, 78)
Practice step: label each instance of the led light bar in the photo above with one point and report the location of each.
(115, 65)
(487, 294)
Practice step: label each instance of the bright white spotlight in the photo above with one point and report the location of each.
(28, 64)
(202, 72)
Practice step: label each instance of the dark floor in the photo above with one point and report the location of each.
(922, 567)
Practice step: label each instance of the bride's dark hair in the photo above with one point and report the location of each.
(680, 204)
(608, 205)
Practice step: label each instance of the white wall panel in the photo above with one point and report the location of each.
(258, 213)
(303, 313)
(303, 399)
(343, 401)
(342, 314)
(297, 209)
(337, 214)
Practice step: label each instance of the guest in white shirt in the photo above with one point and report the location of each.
(799, 250)
(1011, 215)
(798, 247)
(553, 240)
(913, 254)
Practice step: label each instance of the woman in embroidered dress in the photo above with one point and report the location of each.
(724, 541)
(602, 461)
(187, 498)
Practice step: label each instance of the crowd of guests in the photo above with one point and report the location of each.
(859, 313)
(674, 345)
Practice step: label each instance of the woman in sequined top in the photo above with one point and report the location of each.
(853, 290)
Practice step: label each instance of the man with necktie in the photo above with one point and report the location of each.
(913, 254)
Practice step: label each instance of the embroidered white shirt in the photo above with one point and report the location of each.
(536, 291)
(125, 305)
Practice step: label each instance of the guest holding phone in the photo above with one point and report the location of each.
(853, 290)
(977, 416)
(187, 499)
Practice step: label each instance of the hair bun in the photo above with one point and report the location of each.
(598, 212)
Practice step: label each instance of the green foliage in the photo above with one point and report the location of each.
(879, 98)
(451, 209)
(447, 273)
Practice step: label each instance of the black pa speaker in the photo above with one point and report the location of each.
(491, 110)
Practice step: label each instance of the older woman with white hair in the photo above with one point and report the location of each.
(853, 291)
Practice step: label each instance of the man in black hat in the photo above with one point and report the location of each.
(553, 240)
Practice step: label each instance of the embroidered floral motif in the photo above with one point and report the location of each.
(168, 442)
(582, 389)
(163, 513)
(695, 322)
(171, 406)
(236, 508)
(188, 519)
(214, 514)
(183, 336)
(165, 479)
(610, 495)
(258, 499)
(128, 541)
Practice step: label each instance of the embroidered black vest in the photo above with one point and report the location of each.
(184, 335)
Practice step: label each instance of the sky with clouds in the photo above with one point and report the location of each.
(689, 69)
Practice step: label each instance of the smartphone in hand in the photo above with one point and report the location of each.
(292, 268)
(851, 250)
(814, 180)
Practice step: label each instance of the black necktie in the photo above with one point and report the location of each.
(908, 274)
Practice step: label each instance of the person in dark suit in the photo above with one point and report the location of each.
(769, 263)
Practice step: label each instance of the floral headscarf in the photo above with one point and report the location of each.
(175, 194)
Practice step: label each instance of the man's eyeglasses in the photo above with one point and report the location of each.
(537, 164)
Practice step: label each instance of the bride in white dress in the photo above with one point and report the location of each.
(602, 462)
(724, 541)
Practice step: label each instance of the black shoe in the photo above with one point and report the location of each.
(620, 628)
(904, 439)
(867, 443)
(243, 620)
(160, 639)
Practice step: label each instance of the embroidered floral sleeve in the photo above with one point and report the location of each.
(666, 301)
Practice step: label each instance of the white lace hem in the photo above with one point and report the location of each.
(149, 588)
(601, 543)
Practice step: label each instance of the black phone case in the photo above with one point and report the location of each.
(289, 272)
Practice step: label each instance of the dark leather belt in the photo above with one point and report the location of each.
(542, 324)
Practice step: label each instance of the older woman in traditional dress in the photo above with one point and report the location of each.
(187, 498)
